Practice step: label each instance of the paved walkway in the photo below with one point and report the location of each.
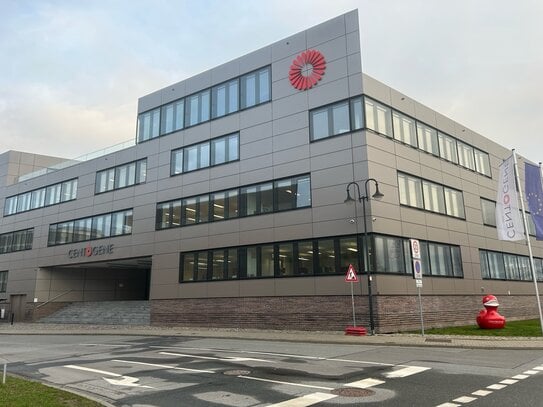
(289, 336)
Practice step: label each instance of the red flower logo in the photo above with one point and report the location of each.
(307, 69)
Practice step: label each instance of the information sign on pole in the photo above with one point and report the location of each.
(415, 248)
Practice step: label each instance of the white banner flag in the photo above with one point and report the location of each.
(508, 218)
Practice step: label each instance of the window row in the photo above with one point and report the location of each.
(121, 176)
(16, 241)
(38, 198)
(325, 256)
(91, 228)
(3, 281)
(393, 255)
(202, 155)
(358, 113)
(237, 94)
(505, 266)
(273, 196)
(420, 193)
(488, 210)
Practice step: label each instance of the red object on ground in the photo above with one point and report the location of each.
(489, 318)
(355, 331)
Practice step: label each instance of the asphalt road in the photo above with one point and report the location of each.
(176, 371)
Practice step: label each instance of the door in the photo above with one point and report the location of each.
(18, 307)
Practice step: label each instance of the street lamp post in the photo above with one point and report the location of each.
(363, 199)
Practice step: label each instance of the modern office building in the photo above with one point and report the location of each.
(230, 209)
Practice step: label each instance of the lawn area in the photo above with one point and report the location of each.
(529, 327)
(24, 393)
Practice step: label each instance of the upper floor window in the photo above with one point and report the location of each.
(465, 156)
(255, 88)
(330, 120)
(172, 117)
(220, 150)
(38, 198)
(447, 148)
(404, 129)
(121, 176)
(225, 98)
(16, 241)
(197, 108)
(482, 162)
(148, 125)
(427, 137)
(3, 281)
(378, 117)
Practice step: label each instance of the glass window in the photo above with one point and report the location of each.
(348, 249)
(465, 155)
(511, 267)
(141, 172)
(434, 199)
(482, 162)
(488, 210)
(176, 162)
(82, 230)
(232, 268)
(427, 138)
(255, 88)
(225, 149)
(10, 206)
(218, 265)
(203, 209)
(125, 175)
(388, 254)
(251, 262)
(410, 191)
(330, 121)
(101, 226)
(189, 211)
(3, 281)
(51, 241)
(65, 232)
(440, 259)
(148, 125)
(19, 240)
(525, 272)
(267, 266)
(121, 223)
(456, 258)
(447, 148)
(286, 259)
(496, 266)
(357, 114)
(163, 213)
(485, 271)
(38, 198)
(224, 205)
(68, 190)
(224, 99)
(188, 262)
(172, 117)
(326, 256)
(305, 257)
(454, 202)
(196, 157)
(538, 263)
(201, 268)
(105, 180)
(378, 117)
(23, 202)
(404, 129)
(52, 194)
(197, 108)
(257, 199)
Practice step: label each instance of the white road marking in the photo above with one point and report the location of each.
(229, 359)
(530, 372)
(124, 381)
(103, 344)
(304, 401)
(481, 393)
(538, 367)
(520, 376)
(509, 381)
(287, 383)
(365, 383)
(496, 386)
(406, 371)
(364, 362)
(163, 366)
(449, 405)
(465, 399)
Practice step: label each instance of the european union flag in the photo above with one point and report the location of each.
(534, 196)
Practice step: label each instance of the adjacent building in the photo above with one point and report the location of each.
(230, 209)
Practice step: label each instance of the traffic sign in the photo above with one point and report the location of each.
(415, 248)
(418, 283)
(351, 276)
(417, 269)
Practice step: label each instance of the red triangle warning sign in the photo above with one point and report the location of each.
(351, 276)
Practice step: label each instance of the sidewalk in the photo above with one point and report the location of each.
(333, 337)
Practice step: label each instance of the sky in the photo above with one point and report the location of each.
(71, 72)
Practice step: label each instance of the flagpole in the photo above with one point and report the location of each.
(527, 236)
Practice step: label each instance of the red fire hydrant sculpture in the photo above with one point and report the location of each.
(489, 318)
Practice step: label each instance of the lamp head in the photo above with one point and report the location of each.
(378, 194)
(349, 198)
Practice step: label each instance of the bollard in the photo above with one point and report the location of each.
(4, 376)
(12, 317)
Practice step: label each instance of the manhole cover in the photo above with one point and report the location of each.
(352, 392)
(237, 372)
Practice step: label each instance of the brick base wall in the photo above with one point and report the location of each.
(332, 313)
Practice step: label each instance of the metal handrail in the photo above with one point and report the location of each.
(54, 298)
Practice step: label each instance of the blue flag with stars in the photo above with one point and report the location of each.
(534, 196)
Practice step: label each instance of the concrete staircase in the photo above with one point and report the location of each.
(102, 313)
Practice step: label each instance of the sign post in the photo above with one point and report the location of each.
(351, 277)
(417, 274)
